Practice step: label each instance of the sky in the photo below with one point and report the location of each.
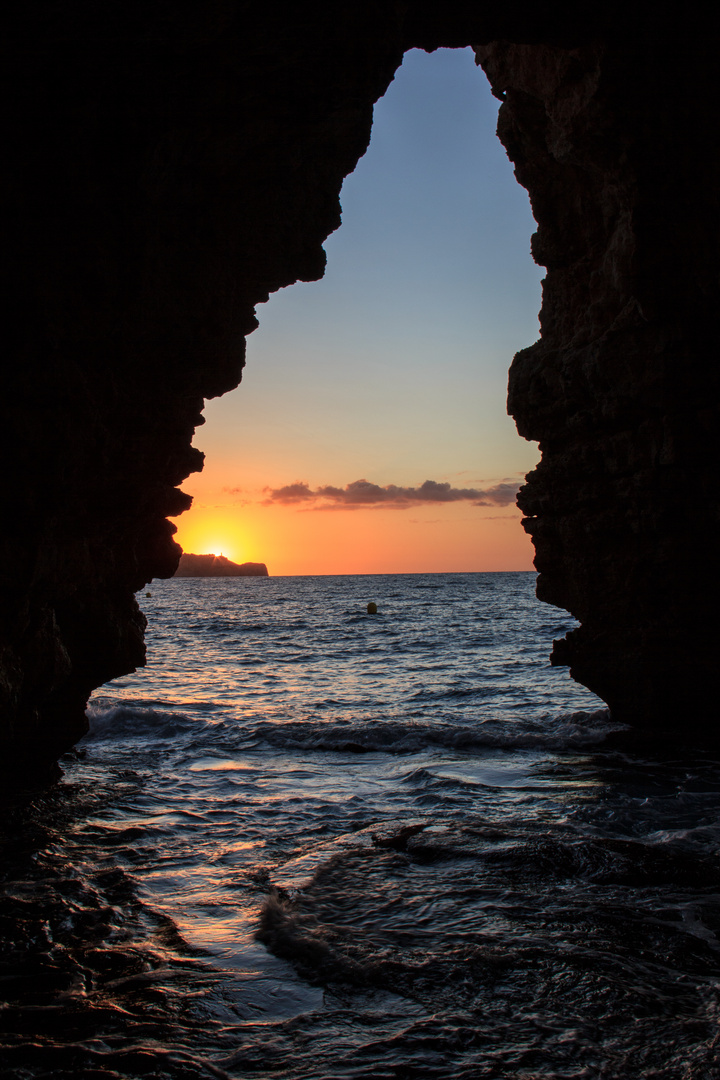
(369, 433)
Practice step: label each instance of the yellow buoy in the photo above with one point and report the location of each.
(372, 608)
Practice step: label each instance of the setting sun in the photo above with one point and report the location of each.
(212, 534)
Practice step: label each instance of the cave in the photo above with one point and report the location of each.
(171, 166)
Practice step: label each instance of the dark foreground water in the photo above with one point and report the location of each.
(307, 842)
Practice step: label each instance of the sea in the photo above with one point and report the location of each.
(307, 842)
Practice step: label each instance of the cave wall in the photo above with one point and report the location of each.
(168, 166)
(615, 143)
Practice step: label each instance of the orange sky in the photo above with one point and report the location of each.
(295, 540)
(394, 366)
(362, 541)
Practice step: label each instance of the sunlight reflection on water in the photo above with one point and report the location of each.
(411, 839)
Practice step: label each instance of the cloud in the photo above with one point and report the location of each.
(291, 493)
(363, 493)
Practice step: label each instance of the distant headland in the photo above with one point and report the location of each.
(217, 566)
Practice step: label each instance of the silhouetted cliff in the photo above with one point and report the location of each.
(168, 166)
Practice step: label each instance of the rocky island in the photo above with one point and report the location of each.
(217, 566)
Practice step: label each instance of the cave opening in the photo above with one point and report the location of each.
(161, 191)
(392, 369)
(392, 881)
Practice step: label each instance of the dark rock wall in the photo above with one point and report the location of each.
(168, 166)
(615, 142)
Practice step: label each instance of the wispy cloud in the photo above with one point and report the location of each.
(363, 493)
(237, 499)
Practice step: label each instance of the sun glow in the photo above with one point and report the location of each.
(213, 534)
(219, 547)
(454, 537)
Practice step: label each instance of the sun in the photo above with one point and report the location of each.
(196, 539)
(216, 531)
(220, 547)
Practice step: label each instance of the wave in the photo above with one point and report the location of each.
(125, 721)
(478, 691)
(567, 731)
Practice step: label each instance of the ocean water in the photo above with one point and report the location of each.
(307, 842)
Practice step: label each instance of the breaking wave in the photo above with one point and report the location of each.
(564, 732)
